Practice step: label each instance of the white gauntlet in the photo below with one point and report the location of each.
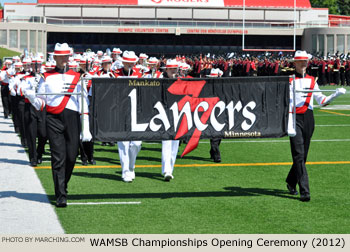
(85, 134)
(329, 99)
(34, 100)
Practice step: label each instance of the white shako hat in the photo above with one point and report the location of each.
(106, 59)
(301, 55)
(143, 56)
(185, 66)
(214, 73)
(18, 64)
(129, 56)
(16, 59)
(37, 60)
(171, 63)
(77, 57)
(84, 59)
(26, 61)
(117, 51)
(73, 64)
(99, 53)
(62, 49)
(152, 61)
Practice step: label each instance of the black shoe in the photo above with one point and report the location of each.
(217, 159)
(292, 190)
(103, 144)
(92, 162)
(111, 144)
(84, 162)
(61, 201)
(215, 156)
(304, 197)
(33, 163)
(24, 144)
(61, 204)
(6, 116)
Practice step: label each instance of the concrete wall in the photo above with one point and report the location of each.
(63, 11)
(322, 33)
(314, 16)
(100, 12)
(22, 10)
(178, 13)
(210, 14)
(137, 13)
(35, 39)
(305, 16)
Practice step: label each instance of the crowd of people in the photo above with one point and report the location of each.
(39, 118)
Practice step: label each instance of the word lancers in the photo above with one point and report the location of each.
(193, 117)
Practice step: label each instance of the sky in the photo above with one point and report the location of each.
(15, 1)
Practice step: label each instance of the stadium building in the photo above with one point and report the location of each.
(174, 26)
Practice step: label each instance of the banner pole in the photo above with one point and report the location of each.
(82, 106)
(294, 105)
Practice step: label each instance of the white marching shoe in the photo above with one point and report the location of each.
(168, 176)
(128, 179)
(128, 176)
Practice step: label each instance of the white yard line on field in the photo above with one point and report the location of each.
(260, 141)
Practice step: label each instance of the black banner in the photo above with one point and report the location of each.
(163, 109)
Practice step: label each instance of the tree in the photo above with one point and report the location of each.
(344, 7)
(332, 5)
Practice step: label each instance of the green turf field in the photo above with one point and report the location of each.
(208, 198)
(7, 53)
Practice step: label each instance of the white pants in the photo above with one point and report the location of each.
(169, 153)
(127, 153)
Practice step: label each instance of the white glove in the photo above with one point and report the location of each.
(340, 91)
(12, 92)
(30, 94)
(291, 130)
(85, 135)
(35, 101)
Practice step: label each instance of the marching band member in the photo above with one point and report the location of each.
(34, 120)
(215, 142)
(128, 150)
(184, 69)
(5, 92)
(13, 87)
(63, 123)
(86, 148)
(117, 63)
(305, 124)
(105, 72)
(142, 63)
(152, 71)
(169, 147)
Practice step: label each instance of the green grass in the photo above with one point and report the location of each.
(209, 199)
(7, 53)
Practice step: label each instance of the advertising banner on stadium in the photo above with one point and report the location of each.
(164, 109)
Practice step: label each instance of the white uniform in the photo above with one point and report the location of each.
(169, 147)
(117, 65)
(128, 150)
(304, 101)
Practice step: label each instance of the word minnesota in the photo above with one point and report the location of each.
(195, 119)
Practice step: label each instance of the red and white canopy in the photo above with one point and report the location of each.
(187, 3)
